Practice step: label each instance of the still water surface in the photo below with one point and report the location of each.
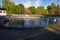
(31, 22)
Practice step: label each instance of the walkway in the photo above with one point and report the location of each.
(37, 34)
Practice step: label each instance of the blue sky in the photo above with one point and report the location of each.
(36, 3)
(0, 2)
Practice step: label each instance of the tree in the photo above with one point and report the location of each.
(33, 10)
(15, 10)
(21, 8)
(46, 12)
(9, 5)
(51, 8)
(12, 7)
(27, 11)
(58, 6)
(57, 10)
(6, 4)
(40, 10)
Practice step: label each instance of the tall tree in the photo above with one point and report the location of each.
(46, 12)
(33, 9)
(9, 5)
(27, 11)
(51, 8)
(40, 10)
(21, 8)
(57, 10)
(58, 6)
(6, 4)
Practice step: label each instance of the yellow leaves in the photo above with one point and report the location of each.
(27, 11)
(46, 12)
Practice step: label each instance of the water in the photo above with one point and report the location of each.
(29, 23)
(33, 22)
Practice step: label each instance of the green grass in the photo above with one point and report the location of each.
(54, 28)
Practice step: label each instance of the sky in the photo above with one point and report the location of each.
(36, 3)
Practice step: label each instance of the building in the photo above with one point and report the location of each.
(3, 12)
(3, 16)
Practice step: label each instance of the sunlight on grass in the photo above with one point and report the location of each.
(56, 27)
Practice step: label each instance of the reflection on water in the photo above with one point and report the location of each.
(31, 22)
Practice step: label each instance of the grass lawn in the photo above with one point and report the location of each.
(56, 27)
